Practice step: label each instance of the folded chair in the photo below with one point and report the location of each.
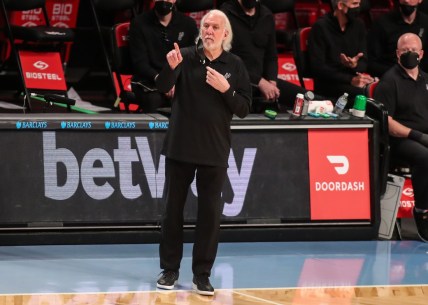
(37, 49)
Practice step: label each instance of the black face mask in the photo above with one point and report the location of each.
(409, 60)
(163, 8)
(407, 10)
(353, 12)
(249, 4)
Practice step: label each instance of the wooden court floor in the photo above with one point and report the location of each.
(387, 295)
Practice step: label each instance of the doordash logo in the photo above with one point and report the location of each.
(343, 162)
(339, 174)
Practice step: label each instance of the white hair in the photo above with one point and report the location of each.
(227, 43)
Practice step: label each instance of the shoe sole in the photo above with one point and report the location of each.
(166, 287)
(202, 292)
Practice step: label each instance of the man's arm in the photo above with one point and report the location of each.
(139, 52)
(166, 79)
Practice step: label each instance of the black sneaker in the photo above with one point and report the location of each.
(202, 285)
(421, 220)
(167, 280)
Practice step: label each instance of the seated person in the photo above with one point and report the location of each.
(254, 40)
(383, 36)
(151, 36)
(337, 52)
(403, 90)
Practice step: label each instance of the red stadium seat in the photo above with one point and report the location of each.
(300, 53)
(38, 49)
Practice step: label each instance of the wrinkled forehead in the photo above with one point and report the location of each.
(213, 20)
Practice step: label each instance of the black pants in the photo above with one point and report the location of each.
(209, 184)
(416, 155)
(150, 101)
(287, 95)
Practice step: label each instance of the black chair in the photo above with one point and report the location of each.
(284, 37)
(301, 55)
(104, 34)
(42, 39)
(378, 112)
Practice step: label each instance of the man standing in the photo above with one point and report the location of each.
(337, 51)
(151, 37)
(255, 42)
(404, 91)
(211, 85)
(382, 39)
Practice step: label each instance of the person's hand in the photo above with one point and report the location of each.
(170, 93)
(350, 62)
(268, 89)
(216, 80)
(361, 80)
(174, 57)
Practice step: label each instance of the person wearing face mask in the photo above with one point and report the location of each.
(386, 30)
(151, 37)
(255, 42)
(338, 52)
(403, 89)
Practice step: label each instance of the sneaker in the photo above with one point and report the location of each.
(167, 280)
(421, 220)
(202, 285)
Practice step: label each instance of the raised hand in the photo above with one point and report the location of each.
(174, 57)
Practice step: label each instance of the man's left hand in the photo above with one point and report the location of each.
(350, 62)
(217, 81)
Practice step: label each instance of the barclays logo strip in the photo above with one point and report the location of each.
(158, 125)
(120, 125)
(76, 125)
(31, 125)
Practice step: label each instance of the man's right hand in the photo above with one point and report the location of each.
(361, 80)
(268, 89)
(174, 57)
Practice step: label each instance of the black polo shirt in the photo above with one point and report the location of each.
(405, 98)
(150, 41)
(327, 41)
(199, 126)
(383, 37)
(254, 40)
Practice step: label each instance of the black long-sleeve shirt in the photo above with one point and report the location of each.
(405, 98)
(199, 126)
(150, 41)
(254, 40)
(327, 41)
(383, 37)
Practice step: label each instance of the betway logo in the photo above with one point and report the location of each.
(343, 162)
(98, 164)
(41, 65)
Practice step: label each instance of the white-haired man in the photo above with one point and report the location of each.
(211, 85)
(404, 91)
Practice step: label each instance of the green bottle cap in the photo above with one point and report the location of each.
(360, 102)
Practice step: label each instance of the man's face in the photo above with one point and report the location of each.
(213, 32)
(346, 4)
(411, 44)
(410, 2)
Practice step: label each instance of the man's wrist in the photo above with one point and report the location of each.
(415, 135)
